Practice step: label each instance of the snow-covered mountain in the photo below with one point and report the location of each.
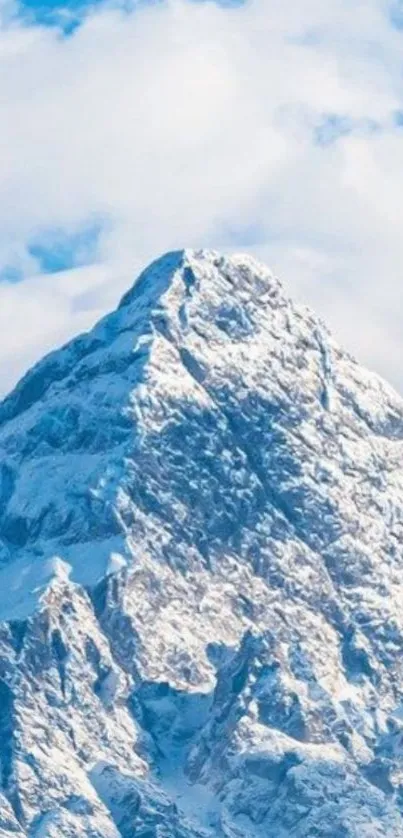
(201, 583)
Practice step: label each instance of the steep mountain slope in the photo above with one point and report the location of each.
(201, 547)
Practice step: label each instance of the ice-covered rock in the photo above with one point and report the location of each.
(201, 573)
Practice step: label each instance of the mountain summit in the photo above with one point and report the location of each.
(201, 573)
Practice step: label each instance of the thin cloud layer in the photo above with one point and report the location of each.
(268, 127)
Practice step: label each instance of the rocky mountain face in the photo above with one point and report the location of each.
(201, 573)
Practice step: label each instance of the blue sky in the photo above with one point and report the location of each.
(131, 128)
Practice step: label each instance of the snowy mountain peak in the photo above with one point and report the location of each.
(201, 549)
(181, 270)
(168, 285)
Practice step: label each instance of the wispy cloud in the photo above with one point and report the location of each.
(263, 126)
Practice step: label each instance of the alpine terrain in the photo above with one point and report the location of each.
(201, 573)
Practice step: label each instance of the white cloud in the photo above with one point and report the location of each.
(191, 124)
